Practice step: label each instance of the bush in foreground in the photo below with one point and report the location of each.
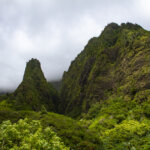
(25, 135)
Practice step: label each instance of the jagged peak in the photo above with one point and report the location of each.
(109, 35)
(33, 63)
(34, 91)
(131, 26)
(33, 66)
(114, 26)
(109, 28)
(111, 32)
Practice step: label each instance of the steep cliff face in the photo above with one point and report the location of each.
(116, 62)
(34, 92)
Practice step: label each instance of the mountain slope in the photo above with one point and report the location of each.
(73, 133)
(116, 62)
(56, 84)
(34, 92)
(34, 99)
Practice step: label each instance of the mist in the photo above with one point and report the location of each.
(55, 31)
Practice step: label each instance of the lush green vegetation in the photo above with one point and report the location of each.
(115, 62)
(34, 92)
(27, 135)
(106, 90)
(73, 133)
(33, 99)
(121, 123)
(108, 86)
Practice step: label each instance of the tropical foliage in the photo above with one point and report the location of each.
(106, 91)
(25, 135)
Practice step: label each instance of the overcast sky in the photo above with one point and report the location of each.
(55, 31)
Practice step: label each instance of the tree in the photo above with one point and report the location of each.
(25, 135)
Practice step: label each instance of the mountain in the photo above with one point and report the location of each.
(34, 92)
(35, 99)
(115, 63)
(56, 84)
(106, 90)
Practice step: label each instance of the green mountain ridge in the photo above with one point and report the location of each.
(115, 62)
(36, 99)
(107, 87)
(34, 92)
(106, 92)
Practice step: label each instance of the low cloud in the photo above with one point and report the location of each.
(55, 31)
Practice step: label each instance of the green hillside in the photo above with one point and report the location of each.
(116, 62)
(107, 86)
(74, 134)
(34, 92)
(103, 103)
(37, 100)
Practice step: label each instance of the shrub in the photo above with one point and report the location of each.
(25, 135)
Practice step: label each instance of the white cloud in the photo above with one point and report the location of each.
(21, 42)
(82, 29)
(143, 7)
(55, 31)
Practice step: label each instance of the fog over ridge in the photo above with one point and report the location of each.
(55, 31)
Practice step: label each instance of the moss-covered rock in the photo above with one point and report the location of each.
(34, 92)
(115, 62)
